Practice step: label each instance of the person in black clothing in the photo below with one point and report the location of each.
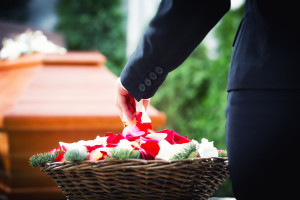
(263, 111)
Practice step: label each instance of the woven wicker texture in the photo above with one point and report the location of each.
(139, 179)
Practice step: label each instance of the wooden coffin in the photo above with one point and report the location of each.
(45, 99)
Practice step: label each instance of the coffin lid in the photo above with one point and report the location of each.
(62, 92)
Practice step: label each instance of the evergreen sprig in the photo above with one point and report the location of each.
(39, 160)
(189, 152)
(76, 155)
(124, 154)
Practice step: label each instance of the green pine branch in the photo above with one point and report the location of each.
(189, 152)
(124, 154)
(76, 155)
(39, 160)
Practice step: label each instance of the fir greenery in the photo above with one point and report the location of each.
(124, 154)
(189, 152)
(76, 155)
(39, 160)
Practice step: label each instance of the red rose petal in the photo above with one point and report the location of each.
(131, 103)
(109, 134)
(60, 158)
(144, 126)
(178, 139)
(111, 145)
(151, 148)
(138, 116)
(164, 131)
(170, 135)
(173, 137)
(113, 140)
(104, 155)
(91, 148)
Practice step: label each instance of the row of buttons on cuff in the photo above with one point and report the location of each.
(152, 76)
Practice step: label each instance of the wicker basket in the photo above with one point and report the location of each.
(139, 179)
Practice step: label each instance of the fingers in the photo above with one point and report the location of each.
(125, 102)
(125, 109)
(121, 103)
(120, 97)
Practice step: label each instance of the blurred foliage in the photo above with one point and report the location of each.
(194, 95)
(14, 10)
(95, 25)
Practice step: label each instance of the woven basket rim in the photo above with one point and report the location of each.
(141, 160)
(136, 161)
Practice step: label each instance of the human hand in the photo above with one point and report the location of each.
(125, 102)
(122, 100)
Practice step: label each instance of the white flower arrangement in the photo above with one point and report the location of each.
(28, 42)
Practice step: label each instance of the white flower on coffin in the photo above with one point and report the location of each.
(206, 149)
(11, 49)
(26, 43)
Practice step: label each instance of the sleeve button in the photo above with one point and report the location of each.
(153, 76)
(147, 82)
(158, 70)
(142, 87)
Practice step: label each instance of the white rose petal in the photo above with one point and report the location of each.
(165, 151)
(76, 145)
(101, 140)
(206, 149)
(157, 136)
(124, 144)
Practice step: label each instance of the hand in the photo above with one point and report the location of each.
(122, 97)
(125, 102)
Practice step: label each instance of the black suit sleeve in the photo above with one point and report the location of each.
(176, 30)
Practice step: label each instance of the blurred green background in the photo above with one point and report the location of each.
(95, 25)
(193, 96)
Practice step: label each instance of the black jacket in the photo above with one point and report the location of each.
(265, 54)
